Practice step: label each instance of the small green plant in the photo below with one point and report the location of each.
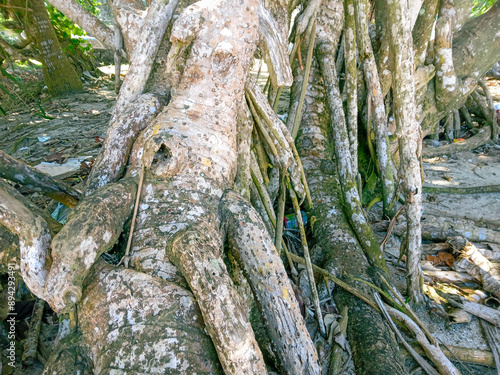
(481, 6)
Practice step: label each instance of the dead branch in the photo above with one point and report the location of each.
(16, 171)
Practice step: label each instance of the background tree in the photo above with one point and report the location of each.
(60, 76)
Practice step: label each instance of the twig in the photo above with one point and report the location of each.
(390, 228)
(125, 259)
(307, 257)
(427, 368)
(335, 360)
(298, 116)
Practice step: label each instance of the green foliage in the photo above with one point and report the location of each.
(68, 31)
(481, 6)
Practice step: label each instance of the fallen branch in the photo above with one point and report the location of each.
(16, 171)
(493, 337)
(475, 264)
(481, 311)
(473, 142)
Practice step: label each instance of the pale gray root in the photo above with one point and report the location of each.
(274, 128)
(409, 139)
(244, 139)
(261, 188)
(422, 31)
(433, 352)
(351, 83)
(377, 98)
(129, 15)
(422, 363)
(132, 323)
(86, 20)
(343, 156)
(198, 257)
(123, 131)
(276, 47)
(53, 225)
(456, 124)
(471, 260)
(153, 28)
(447, 82)
(423, 75)
(93, 227)
(16, 171)
(306, 17)
(449, 128)
(269, 282)
(117, 57)
(34, 241)
(474, 52)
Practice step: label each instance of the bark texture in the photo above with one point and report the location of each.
(409, 138)
(367, 333)
(59, 75)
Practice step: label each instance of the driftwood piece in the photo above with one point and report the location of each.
(446, 276)
(481, 311)
(477, 356)
(16, 171)
(475, 264)
(493, 337)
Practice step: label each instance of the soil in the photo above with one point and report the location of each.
(67, 135)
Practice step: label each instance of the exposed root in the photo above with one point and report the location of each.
(270, 284)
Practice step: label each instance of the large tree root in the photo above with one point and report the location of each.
(34, 240)
(93, 228)
(135, 323)
(269, 282)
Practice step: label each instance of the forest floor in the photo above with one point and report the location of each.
(64, 138)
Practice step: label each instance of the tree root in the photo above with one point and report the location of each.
(461, 190)
(84, 238)
(34, 240)
(269, 282)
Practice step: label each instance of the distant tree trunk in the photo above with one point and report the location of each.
(60, 76)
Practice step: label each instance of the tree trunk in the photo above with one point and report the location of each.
(59, 75)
